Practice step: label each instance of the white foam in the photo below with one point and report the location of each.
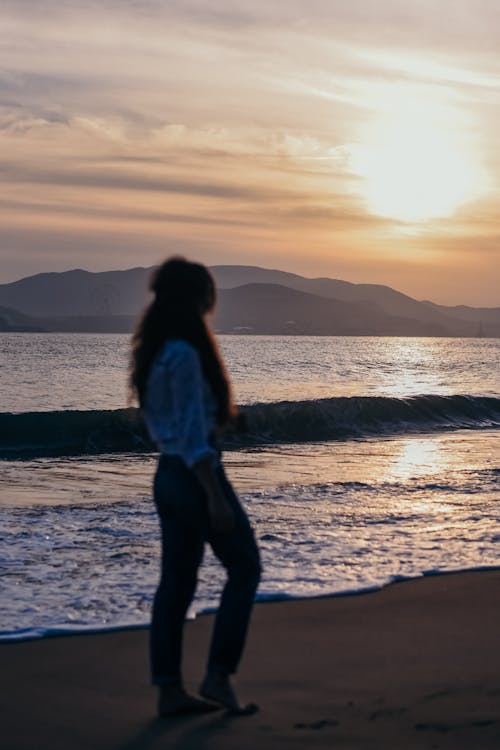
(27, 634)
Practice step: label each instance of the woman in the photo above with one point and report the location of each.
(184, 393)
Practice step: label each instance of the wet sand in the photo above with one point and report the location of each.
(416, 665)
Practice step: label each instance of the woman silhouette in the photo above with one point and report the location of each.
(179, 379)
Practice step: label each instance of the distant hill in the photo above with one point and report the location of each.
(389, 300)
(14, 321)
(272, 309)
(484, 315)
(78, 293)
(276, 309)
(111, 300)
(90, 323)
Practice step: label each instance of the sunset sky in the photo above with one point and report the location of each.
(357, 140)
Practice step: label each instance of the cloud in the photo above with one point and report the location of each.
(114, 180)
(230, 124)
(30, 83)
(18, 119)
(130, 215)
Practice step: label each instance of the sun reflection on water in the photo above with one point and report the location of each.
(420, 457)
(416, 360)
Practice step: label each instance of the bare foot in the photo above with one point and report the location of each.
(174, 701)
(218, 688)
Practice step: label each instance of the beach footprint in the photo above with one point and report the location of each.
(445, 726)
(383, 713)
(319, 724)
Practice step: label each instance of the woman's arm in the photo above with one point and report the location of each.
(198, 455)
(221, 514)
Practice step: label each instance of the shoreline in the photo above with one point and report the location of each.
(66, 630)
(415, 664)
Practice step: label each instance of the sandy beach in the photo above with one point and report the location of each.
(416, 665)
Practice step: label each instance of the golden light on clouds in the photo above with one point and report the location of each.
(354, 140)
(415, 164)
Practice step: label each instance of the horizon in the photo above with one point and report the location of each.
(236, 265)
(356, 143)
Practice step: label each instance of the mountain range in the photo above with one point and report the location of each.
(250, 300)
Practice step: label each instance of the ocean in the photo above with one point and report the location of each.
(368, 460)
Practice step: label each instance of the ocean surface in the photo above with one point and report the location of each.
(367, 460)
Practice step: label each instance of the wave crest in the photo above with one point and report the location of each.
(66, 433)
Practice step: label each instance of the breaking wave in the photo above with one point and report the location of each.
(67, 433)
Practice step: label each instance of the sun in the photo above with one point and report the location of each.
(415, 166)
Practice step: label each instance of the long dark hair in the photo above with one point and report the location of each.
(183, 293)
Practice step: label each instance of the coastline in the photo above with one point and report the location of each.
(67, 630)
(414, 664)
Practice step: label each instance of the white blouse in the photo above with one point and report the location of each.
(179, 407)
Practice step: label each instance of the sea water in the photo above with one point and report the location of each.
(407, 482)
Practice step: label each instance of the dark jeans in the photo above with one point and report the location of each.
(181, 504)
